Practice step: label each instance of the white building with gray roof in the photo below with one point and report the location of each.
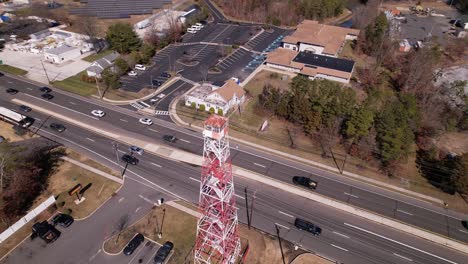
(98, 66)
(61, 54)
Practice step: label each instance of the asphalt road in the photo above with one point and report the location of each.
(271, 205)
(346, 238)
(390, 204)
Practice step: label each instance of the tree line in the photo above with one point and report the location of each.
(278, 12)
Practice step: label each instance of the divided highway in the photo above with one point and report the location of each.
(356, 240)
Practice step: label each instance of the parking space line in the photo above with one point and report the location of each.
(403, 257)
(352, 195)
(134, 256)
(401, 211)
(338, 247)
(285, 227)
(260, 165)
(121, 199)
(193, 179)
(239, 196)
(157, 165)
(123, 120)
(90, 139)
(283, 213)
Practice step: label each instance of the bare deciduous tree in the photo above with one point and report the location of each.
(121, 224)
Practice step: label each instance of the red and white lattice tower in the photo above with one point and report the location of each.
(217, 238)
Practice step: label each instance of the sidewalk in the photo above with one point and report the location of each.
(179, 121)
(94, 170)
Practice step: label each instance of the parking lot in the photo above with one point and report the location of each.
(144, 254)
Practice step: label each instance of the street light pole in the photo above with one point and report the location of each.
(162, 223)
(279, 241)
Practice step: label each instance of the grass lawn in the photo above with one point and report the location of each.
(6, 130)
(83, 159)
(74, 84)
(12, 70)
(97, 56)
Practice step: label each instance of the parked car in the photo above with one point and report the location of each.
(305, 225)
(170, 138)
(136, 149)
(146, 121)
(46, 231)
(98, 113)
(191, 30)
(304, 181)
(57, 127)
(465, 224)
(163, 252)
(132, 73)
(140, 67)
(130, 159)
(156, 83)
(45, 89)
(165, 75)
(133, 244)
(47, 96)
(11, 91)
(25, 108)
(62, 220)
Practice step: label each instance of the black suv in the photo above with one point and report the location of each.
(464, 224)
(47, 96)
(62, 220)
(11, 91)
(156, 83)
(169, 138)
(25, 108)
(130, 159)
(45, 231)
(302, 224)
(45, 89)
(304, 181)
(133, 244)
(165, 75)
(57, 127)
(163, 252)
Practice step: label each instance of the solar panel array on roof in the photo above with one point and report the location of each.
(118, 8)
(316, 60)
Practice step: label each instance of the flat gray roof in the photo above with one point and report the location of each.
(60, 50)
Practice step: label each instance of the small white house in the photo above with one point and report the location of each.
(60, 54)
(221, 98)
(96, 68)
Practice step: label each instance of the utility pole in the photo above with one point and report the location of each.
(252, 206)
(43, 67)
(247, 207)
(279, 241)
(42, 124)
(99, 89)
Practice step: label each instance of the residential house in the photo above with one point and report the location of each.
(226, 97)
(319, 38)
(60, 54)
(310, 64)
(98, 66)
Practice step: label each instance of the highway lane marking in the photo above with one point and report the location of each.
(283, 213)
(123, 120)
(463, 231)
(121, 151)
(285, 227)
(95, 255)
(10, 82)
(154, 130)
(260, 165)
(121, 199)
(338, 247)
(239, 196)
(401, 211)
(157, 165)
(138, 209)
(184, 140)
(193, 179)
(146, 199)
(352, 195)
(72, 103)
(403, 257)
(399, 243)
(343, 235)
(90, 139)
(29, 88)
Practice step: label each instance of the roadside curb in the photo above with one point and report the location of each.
(94, 170)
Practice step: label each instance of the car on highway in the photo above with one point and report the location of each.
(11, 91)
(156, 83)
(140, 67)
(170, 138)
(98, 113)
(132, 73)
(163, 252)
(304, 181)
(136, 149)
(130, 159)
(305, 225)
(47, 96)
(45, 89)
(165, 75)
(146, 121)
(62, 220)
(57, 127)
(133, 244)
(25, 108)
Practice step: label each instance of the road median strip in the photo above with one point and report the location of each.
(182, 156)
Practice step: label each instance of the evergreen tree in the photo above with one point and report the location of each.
(122, 38)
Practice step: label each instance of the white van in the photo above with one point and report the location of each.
(191, 30)
(197, 26)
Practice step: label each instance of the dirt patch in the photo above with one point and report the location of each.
(308, 258)
(6, 131)
(453, 142)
